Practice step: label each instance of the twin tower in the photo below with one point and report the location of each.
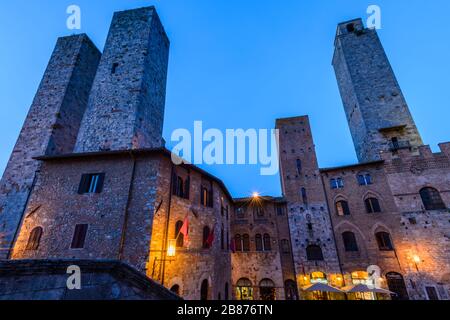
(90, 102)
(93, 102)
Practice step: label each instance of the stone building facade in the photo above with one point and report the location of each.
(90, 180)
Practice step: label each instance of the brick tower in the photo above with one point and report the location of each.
(126, 106)
(377, 112)
(308, 212)
(51, 126)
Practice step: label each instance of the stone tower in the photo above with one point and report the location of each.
(377, 113)
(51, 126)
(308, 212)
(126, 106)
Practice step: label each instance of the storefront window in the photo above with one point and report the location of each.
(244, 289)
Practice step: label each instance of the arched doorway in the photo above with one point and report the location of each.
(244, 289)
(204, 290)
(396, 284)
(291, 290)
(267, 290)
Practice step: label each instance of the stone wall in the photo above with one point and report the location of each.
(51, 126)
(192, 264)
(100, 280)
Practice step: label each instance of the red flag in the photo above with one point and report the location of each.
(185, 230)
(210, 239)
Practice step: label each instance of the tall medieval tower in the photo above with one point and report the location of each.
(376, 109)
(313, 243)
(126, 106)
(51, 126)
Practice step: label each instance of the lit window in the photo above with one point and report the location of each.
(342, 208)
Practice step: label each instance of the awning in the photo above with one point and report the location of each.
(364, 288)
(321, 287)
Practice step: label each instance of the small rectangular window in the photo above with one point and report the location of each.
(206, 197)
(364, 179)
(114, 68)
(79, 236)
(91, 183)
(337, 183)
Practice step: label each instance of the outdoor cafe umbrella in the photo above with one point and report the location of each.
(364, 288)
(321, 287)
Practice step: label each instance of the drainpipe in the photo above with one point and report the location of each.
(126, 215)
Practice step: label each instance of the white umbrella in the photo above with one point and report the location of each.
(321, 287)
(364, 288)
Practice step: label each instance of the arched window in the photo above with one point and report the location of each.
(350, 241)
(432, 199)
(244, 289)
(34, 239)
(384, 241)
(238, 242)
(204, 290)
(227, 293)
(206, 232)
(246, 243)
(175, 289)
(259, 242)
(285, 247)
(291, 290)
(267, 243)
(342, 208)
(314, 253)
(372, 205)
(267, 290)
(179, 236)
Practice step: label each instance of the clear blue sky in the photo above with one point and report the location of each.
(244, 63)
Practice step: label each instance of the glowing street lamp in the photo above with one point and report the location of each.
(172, 248)
(255, 195)
(417, 260)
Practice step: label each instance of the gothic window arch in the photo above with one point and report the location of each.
(179, 236)
(350, 243)
(259, 242)
(314, 253)
(384, 241)
(246, 243)
(372, 204)
(238, 242)
(342, 208)
(432, 199)
(267, 242)
(34, 239)
(206, 233)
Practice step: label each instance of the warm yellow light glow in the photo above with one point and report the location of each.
(416, 259)
(339, 279)
(255, 195)
(305, 278)
(172, 249)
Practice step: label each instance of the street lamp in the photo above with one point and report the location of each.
(172, 248)
(416, 260)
